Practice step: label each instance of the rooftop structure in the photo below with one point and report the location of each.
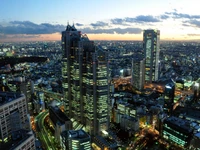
(6, 97)
(21, 139)
(75, 139)
(57, 115)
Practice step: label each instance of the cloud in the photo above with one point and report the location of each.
(117, 21)
(79, 24)
(112, 31)
(164, 16)
(18, 36)
(176, 15)
(191, 34)
(99, 24)
(195, 23)
(149, 18)
(186, 25)
(137, 19)
(27, 27)
(142, 19)
(96, 31)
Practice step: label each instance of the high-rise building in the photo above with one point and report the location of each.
(151, 45)
(138, 72)
(12, 105)
(15, 130)
(85, 81)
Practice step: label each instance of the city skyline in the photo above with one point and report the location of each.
(100, 20)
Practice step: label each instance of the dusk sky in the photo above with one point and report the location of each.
(100, 19)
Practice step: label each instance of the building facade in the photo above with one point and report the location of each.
(12, 105)
(85, 81)
(177, 131)
(151, 45)
(138, 73)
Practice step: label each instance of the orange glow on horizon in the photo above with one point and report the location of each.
(57, 37)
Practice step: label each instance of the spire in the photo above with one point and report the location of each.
(70, 28)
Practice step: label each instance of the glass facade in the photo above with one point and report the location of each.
(138, 73)
(85, 81)
(151, 39)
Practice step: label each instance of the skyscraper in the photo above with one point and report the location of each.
(138, 72)
(85, 80)
(151, 45)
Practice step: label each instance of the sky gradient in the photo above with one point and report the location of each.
(24, 20)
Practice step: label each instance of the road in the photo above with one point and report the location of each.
(42, 132)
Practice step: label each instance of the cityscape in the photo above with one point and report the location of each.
(89, 86)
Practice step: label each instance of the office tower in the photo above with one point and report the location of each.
(85, 81)
(12, 105)
(75, 139)
(169, 93)
(138, 72)
(151, 45)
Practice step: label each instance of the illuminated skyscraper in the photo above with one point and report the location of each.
(85, 81)
(138, 72)
(151, 44)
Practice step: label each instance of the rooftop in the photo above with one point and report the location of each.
(6, 97)
(60, 116)
(71, 28)
(179, 123)
(18, 137)
(77, 134)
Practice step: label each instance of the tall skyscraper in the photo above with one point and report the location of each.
(151, 45)
(138, 72)
(85, 81)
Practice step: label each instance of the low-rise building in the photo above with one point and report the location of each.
(75, 139)
(178, 131)
(59, 120)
